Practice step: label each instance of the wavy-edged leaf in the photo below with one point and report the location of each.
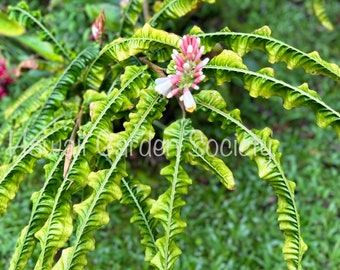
(259, 146)
(92, 215)
(94, 141)
(22, 109)
(137, 195)
(58, 227)
(263, 84)
(154, 43)
(131, 12)
(173, 9)
(21, 17)
(320, 13)
(277, 51)
(42, 205)
(19, 137)
(12, 174)
(103, 109)
(199, 154)
(92, 212)
(62, 86)
(167, 207)
(24, 16)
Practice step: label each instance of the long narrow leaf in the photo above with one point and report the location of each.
(262, 83)
(173, 9)
(199, 153)
(131, 12)
(41, 209)
(105, 183)
(276, 50)
(62, 86)
(260, 147)
(22, 13)
(320, 12)
(167, 207)
(58, 227)
(156, 44)
(137, 195)
(12, 174)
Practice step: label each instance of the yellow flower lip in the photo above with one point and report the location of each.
(190, 109)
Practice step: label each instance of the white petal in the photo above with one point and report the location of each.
(95, 32)
(161, 80)
(163, 85)
(198, 41)
(186, 66)
(189, 102)
(190, 49)
(205, 61)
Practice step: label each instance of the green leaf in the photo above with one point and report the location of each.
(58, 227)
(199, 154)
(20, 112)
(54, 234)
(277, 51)
(79, 170)
(92, 215)
(320, 12)
(9, 27)
(105, 183)
(167, 207)
(173, 9)
(35, 90)
(62, 86)
(131, 12)
(104, 108)
(26, 17)
(42, 202)
(137, 195)
(259, 146)
(43, 48)
(263, 84)
(12, 174)
(156, 44)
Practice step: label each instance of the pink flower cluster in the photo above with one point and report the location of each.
(188, 74)
(5, 79)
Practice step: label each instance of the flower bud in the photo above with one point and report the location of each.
(98, 26)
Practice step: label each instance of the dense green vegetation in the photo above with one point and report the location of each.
(227, 229)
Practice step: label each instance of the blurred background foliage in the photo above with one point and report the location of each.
(226, 230)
